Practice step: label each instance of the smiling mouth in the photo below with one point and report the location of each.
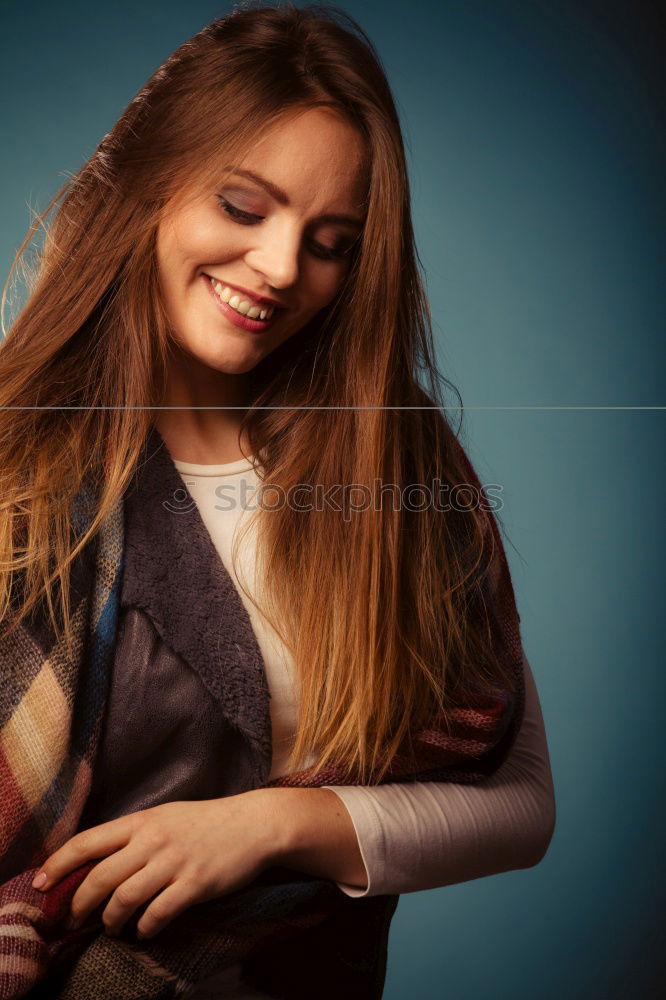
(233, 314)
(241, 304)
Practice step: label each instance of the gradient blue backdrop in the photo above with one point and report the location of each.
(536, 156)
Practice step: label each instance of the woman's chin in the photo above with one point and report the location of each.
(225, 355)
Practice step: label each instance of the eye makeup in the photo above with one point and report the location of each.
(243, 218)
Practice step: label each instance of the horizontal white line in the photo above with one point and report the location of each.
(333, 407)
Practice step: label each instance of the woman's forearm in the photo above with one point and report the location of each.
(421, 836)
(424, 835)
(314, 833)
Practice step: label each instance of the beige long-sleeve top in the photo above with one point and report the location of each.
(412, 836)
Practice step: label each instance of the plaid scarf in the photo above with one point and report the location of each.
(51, 712)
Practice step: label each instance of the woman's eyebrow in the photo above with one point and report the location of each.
(282, 197)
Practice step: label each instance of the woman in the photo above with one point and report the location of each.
(230, 286)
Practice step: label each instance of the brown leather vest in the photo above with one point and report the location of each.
(188, 718)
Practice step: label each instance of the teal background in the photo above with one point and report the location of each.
(537, 159)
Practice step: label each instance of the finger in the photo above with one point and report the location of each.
(134, 891)
(102, 880)
(95, 842)
(176, 898)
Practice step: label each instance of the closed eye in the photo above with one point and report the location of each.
(237, 213)
(248, 219)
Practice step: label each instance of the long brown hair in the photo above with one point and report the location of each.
(374, 604)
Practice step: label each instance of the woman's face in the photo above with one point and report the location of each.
(274, 240)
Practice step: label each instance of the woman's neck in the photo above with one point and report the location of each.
(202, 436)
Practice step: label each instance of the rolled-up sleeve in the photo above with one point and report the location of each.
(424, 835)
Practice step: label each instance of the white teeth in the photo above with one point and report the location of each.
(243, 306)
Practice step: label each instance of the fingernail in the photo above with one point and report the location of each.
(39, 880)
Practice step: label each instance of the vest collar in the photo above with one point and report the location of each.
(173, 571)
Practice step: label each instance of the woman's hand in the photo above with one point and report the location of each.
(187, 852)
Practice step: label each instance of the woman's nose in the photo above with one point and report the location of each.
(276, 257)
